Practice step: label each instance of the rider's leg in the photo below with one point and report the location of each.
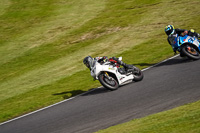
(126, 66)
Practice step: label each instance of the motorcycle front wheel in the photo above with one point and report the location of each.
(190, 52)
(108, 82)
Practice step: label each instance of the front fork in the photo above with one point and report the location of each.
(107, 75)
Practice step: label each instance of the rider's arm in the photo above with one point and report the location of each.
(193, 33)
(102, 59)
(181, 31)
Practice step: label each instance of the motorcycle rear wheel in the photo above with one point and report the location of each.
(138, 76)
(110, 84)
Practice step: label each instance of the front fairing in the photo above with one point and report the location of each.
(107, 67)
(98, 68)
(176, 41)
(190, 40)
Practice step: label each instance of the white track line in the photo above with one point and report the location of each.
(75, 96)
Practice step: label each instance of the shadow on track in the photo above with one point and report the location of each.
(101, 90)
(68, 94)
(93, 91)
(97, 91)
(144, 64)
(175, 61)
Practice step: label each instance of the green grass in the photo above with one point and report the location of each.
(43, 43)
(184, 119)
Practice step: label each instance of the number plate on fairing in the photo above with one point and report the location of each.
(192, 40)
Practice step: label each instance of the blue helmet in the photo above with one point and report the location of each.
(169, 29)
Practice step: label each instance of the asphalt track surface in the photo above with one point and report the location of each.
(166, 86)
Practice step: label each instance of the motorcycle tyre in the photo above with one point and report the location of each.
(109, 87)
(139, 76)
(184, 51)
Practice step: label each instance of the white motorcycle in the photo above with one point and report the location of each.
(111, 76)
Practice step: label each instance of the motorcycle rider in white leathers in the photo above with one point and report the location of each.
(88, 61)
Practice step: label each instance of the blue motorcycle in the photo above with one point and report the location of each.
(187, 46)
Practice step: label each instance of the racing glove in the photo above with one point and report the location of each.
(198, 35)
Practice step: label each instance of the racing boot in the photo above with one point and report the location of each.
(128, 68)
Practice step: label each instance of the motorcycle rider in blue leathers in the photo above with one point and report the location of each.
(171, 32)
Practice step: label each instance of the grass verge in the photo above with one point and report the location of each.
(184, 119)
